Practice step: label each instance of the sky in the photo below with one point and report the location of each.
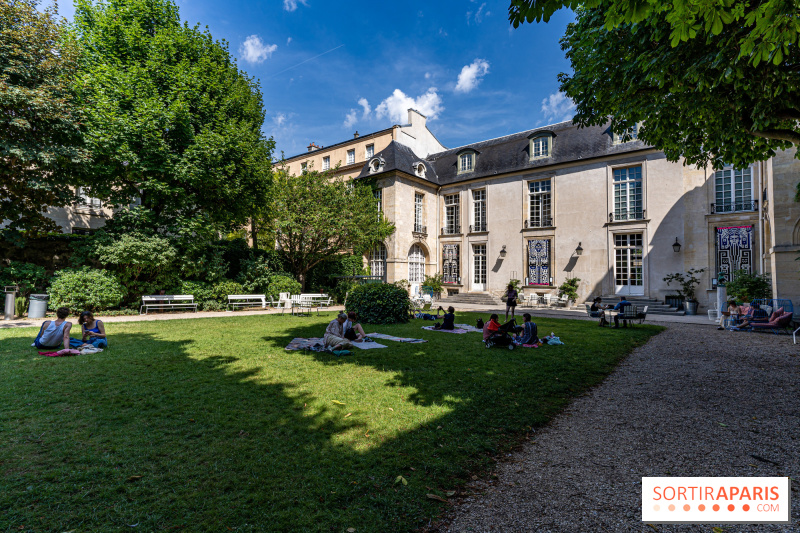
(329, 69)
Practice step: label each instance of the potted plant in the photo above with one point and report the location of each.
(688, 283)
(747, 287)
(569, 289)
(433, 285)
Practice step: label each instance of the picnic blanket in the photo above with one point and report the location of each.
(318, 344)
(457, 330)
(61, 353)
(468, 328)
(396, 339)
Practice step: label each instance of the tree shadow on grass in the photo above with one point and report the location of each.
(167, 432)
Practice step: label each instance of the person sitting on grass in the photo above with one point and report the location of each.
(352, 329)
(491, 327)
(448, 320)
(530, 333)
(623, 303)
(334, 334)
(55, 333)
(94, 332)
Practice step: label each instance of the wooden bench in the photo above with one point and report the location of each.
(167, 301)
(247, 300)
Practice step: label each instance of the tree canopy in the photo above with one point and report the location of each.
(171, 121)
(707, 95)
(40, 144)
(317, 217)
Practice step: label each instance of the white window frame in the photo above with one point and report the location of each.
(378, 195)
(633, 132)
(88, 202)
(452, 214)
(540, 203)
(633, 195)
(326, 163)
(419, 211)
(479, 211)
(351, 156)
(369, 151)
(541, 146)
(466, 162)
(377, 261)
(416, 264)
(733, 197)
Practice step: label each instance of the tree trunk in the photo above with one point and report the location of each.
(302, 279)
(253, 234)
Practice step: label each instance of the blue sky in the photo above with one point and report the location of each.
(328, 69)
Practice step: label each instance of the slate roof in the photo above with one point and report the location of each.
(509, 153)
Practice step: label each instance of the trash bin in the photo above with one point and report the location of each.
(11, 295)
(37, 307)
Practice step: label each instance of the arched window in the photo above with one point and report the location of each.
(377, 261)
(541, 146)
(416, 265)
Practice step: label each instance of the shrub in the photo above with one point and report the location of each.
(25, 275)
(201, 290)
(747, 287)
(85, 289)
(688, 282)
(143, 264)
(328, 275)
(255, 275)
(280, 283)
(569, 288)
(433, 284)
(379, 303)
(221, 290)
(212, 305)
(20, 304)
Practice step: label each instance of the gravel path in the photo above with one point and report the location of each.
(661, 413)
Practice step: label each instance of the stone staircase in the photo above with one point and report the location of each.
(476, 299)
(654, 307)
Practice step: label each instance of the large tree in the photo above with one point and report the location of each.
(317, 217)
(40, 141)
(171, 120)
(710, 82)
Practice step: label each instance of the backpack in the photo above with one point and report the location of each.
(479, 325)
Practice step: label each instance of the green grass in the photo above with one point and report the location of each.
(228, 430)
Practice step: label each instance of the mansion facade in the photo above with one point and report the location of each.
(560, 202)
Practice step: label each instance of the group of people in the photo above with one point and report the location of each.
(527, 333)
(56, 333)
(734, 310)
(598, 310)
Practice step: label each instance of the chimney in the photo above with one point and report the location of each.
(312, 147)
(355, 135)
(415, 118)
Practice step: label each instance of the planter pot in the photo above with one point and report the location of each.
(690, 308)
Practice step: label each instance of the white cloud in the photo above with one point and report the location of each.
(558, 107)
(291, 5)
(471, 75)
(253, 49)
(365, 106)
(279, 119)
(442, 32)
(289, 40)
(427, 75)
(478, 16)
(396, 106)
(350, 119)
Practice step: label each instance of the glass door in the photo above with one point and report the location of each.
(628, 265)
(479, 267)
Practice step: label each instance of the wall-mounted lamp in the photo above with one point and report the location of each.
(676, 246)
(579, 249)
(503, 251)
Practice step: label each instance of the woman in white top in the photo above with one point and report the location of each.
(54, 333)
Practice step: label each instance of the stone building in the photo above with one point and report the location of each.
(560, 202)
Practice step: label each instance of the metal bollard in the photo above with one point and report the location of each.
(11, 295)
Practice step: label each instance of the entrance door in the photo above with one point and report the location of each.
(628, 266)
(479, 267)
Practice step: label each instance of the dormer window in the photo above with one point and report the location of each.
(376, 165)
(630, 135)
(419, 169)
(541, 146)
(466, 162)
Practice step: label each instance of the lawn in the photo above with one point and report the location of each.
(210, 425)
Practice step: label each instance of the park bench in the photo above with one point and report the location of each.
(247, 300)
(167, 301)
(319, 299)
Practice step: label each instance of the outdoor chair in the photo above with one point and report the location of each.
(629, 313)
(775, 325)
(532, 300)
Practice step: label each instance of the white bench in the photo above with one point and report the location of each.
(247, 300)
(319, 299)
(167, 301)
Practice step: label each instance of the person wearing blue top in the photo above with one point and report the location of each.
(94, 332)
(530, 334)
(623, 303)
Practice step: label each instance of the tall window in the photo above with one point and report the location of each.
(326, 163)
(87, 201)
(733, 190)
(540, 146)
(416, 264)
(479, 210)
(466, 162)
(378, 194)
(370, 150)
(377, 261)
(451, 214)
(351, 157)
(540, 212)
(451, 272)
(628, 193)
(303, 167)
(479, 270)
(419, 198)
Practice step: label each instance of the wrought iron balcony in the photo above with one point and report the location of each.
(733, 207)
(538, 222)
(477, 228)
(419, 228)
(451, 230)
(630, 214)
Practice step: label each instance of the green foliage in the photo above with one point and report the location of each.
(279, 283)
(85, 289)
(236, 253)
(41, 141)
(433, 284)
(379, 303)
(201, 290)
(688, 283)
(569, 288)
(327, 277)
(20, 305)
(403, 284)
(143, 264)
(516, 284)
(747, 287)
(212, 305)
(317, 218)
(26, 276)
(254, 275)
(221, 290)
(170, 119)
